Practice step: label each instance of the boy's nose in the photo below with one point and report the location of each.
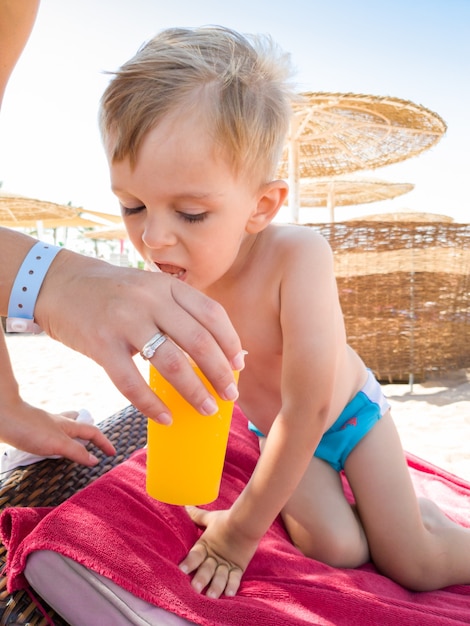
(158, 234)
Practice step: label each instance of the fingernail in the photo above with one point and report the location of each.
(93, 459)
(209, 407)
(164, 419)
(184, 569)
(231, 392)
(238, 362)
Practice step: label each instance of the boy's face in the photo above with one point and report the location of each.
(185, 210)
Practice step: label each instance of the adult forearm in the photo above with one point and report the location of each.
(16, 22)
(8, 384)
(14, 247)
(108, 313)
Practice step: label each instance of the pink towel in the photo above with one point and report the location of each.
(115, 529)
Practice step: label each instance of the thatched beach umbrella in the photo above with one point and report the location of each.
(110, 234)
(333, 134)
(104, 218)
(333, 192)
(406, 215)
(23, 212)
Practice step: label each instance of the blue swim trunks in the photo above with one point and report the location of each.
(355, 421)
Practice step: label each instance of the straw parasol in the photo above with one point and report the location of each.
(406, 215)
(332, 192)
(108, 234)
(23, 212)
(104, 217)
(333, 134)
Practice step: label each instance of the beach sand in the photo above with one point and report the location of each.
(433, 420)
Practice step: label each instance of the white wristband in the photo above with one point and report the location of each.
(26, 288)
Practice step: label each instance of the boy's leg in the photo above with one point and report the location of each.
(411, 542)
(321, 522)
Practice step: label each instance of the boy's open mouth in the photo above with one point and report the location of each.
(174, 270)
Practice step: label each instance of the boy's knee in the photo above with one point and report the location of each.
(411, 575)
(413, 569)
(342, 550)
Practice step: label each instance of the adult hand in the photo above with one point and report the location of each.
(108, 313)
(47, 434)
(41, 433)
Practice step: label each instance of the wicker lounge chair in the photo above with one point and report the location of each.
(49, 483)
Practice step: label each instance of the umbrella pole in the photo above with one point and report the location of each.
(412, 323)
(293, 171)
(330, 201)
(40, 229)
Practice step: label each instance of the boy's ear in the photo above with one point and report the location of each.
(270, 199)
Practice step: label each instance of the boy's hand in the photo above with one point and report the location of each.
(219, 558)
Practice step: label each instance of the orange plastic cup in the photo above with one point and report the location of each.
(185, 460)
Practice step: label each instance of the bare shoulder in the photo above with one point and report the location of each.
(296, 240)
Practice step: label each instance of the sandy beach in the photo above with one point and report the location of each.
(433, 420)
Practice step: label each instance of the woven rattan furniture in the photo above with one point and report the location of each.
(405, 292)
(49, 483)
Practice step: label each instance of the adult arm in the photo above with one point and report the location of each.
(36, 431)
(16, 22)
(108, 313)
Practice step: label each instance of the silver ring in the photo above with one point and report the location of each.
(152, 345)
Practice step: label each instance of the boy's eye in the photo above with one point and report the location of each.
(131, 210)
(192, 218)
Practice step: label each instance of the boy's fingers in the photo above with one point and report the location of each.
(234, 580)
(218, 580)
(225, 580)
(217, 574)
(194, 558)
(199, 516)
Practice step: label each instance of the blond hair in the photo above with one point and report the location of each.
(241, 81)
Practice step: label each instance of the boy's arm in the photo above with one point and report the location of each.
(313, 336)
(221, 555)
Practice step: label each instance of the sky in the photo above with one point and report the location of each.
(416, 50)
